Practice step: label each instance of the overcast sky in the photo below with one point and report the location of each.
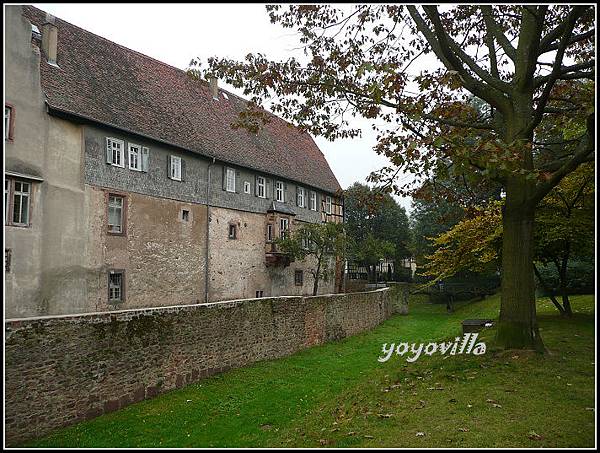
(176, 33)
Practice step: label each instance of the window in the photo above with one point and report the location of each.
(246, 187)
(116, 203)
(259, 293)
(175, 168)
(9, 118)
(135, 157)
(270, 232)
(17, 202)
(230, 180)
(232, 231)
(299, 278)
(116, 287)
(21, 193)
(313, 201)
(279, 191)
(185, 215)
(115, 152)
(283, 227)
(260, 187)
(328, 205)
(300, 197)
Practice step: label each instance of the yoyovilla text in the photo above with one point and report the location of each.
(467, 346)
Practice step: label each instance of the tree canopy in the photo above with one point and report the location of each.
(532, 65)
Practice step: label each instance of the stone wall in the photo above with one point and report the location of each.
(60, 370)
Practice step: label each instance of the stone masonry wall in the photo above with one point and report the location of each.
(60, 370)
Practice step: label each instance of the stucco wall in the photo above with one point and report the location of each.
(60, 370)
(237, 266)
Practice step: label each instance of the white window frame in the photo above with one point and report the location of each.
(262, 186)
(270, 232)
(120, 152)
(279, 189)
(282, 229)
(112, 204)
(301, 197)
(24, 202)
(135, 152)
(313, 200)
(229, 179)
(247, 187)
(175, 168)
(7, 121)
(328, 204)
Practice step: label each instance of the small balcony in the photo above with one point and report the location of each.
(274, 257)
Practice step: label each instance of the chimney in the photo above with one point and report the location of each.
(214, 87)
(50, 39)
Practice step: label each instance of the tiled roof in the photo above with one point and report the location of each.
(108, 83)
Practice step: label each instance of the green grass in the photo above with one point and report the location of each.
(339, 395)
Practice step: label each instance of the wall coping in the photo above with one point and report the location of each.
(141, 310)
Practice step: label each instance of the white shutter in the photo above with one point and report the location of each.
(108, 151)
(145, 158)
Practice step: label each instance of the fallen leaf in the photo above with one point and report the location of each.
(385, 415)
(452, 400)
(420, 434)
(534, 436)
(351, 433)
(323, 441)
(368, 437)
(464, 430)
(496, 405)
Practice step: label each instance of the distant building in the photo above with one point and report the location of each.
(126, 186)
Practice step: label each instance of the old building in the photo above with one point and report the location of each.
(126, 186)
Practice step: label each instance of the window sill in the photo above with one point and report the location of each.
(18, 225)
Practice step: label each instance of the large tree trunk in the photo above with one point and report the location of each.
(517, 324)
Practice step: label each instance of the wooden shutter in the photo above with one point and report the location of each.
(268, 189)
(182, 169)
(224, 177)
(145, 156)
(108, 151)
(256, 185)
(169, 163)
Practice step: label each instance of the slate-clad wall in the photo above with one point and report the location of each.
(63, 369)
(193, 189)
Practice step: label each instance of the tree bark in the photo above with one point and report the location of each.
(517, 324)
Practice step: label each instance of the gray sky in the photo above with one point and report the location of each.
(176, 33)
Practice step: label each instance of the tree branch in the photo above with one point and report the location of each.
(441, 47)
(556, 32)
(582, 153)
(491, 25)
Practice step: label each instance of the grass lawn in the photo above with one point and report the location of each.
(339, 395)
